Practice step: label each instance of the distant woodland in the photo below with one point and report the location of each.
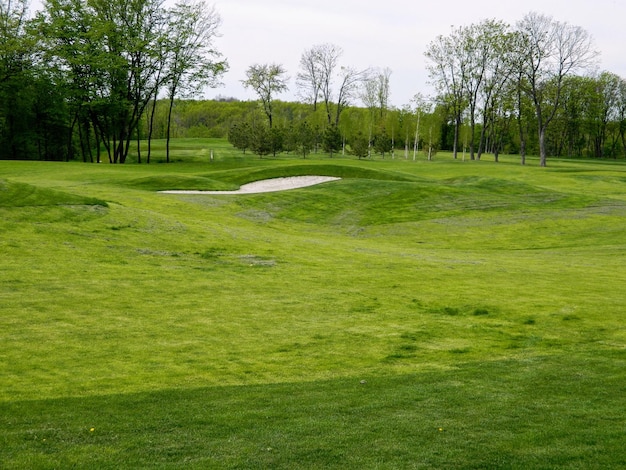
(86, 80)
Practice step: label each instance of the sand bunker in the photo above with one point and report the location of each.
(266, 186)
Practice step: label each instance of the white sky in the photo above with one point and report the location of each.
(387, 33)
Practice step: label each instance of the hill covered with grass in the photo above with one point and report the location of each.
(440, 314)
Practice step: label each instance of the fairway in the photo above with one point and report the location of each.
(408, 314)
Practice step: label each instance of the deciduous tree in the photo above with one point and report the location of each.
(319, 70)
(550, 51)
(191, 59)
(351, 80)
(33, 118)
(448, 70)
(311, 77)
(266, 80)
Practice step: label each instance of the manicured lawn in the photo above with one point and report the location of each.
(441, 314)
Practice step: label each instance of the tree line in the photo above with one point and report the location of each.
(532, 88)
(498, 87)
(534, 77)
(83, 79)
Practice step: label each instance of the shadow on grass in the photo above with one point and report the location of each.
(548, 412)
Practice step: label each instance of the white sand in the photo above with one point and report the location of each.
(266, 186)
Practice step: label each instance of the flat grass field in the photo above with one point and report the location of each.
(434, 315)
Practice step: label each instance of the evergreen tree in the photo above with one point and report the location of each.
(240, 136)
(305, 138)
(331, 139)
(359, 145)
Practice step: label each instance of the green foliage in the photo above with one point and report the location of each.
(261, 139)
(305, 138)
(277, 139)
(331, 140)
(382, 142)
(359, 146)
(82, 80)
(266, 80)
(33, 124)
(240, 136)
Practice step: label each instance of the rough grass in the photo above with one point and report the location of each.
(412, 315)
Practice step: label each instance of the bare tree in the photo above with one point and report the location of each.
(329, 55)
(376, 90)
(319, 69)
(311, 75)
(383, 79)
(422, 105)
(375, 94)
(369, 94)
(351, 80)
(266, 80)
(550, 52)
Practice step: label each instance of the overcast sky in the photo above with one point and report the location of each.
(387, 33)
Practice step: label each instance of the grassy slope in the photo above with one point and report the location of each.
(481, 306)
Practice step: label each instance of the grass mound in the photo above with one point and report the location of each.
(173, 182)
(24, 195)
(376, 202)
(20, 202)
(232, 179)
(314, 168)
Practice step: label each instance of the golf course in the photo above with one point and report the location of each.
(403, 314)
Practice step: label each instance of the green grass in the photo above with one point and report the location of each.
(439, 314)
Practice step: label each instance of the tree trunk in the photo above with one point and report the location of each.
(88, 140)
(455, 144)
(472, 132)
(138, 144)
(622, 138)
(417, 136)
(169, 127)
(328, 111)
(97, 137)
(70, 138)
(151, 129)
(81, 140)
(482, 146)
(542, 146)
